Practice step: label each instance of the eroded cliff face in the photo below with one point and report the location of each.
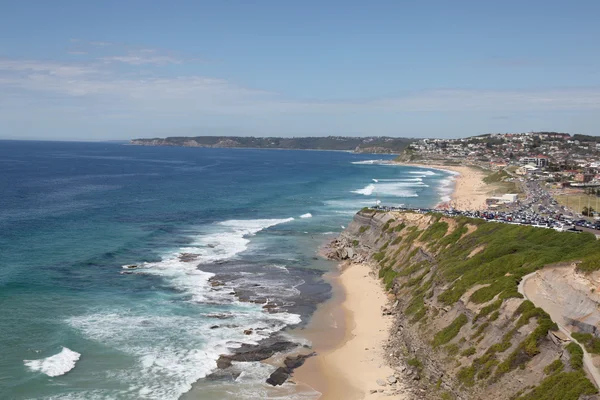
(460, 323)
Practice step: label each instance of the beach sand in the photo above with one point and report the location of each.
(470, 190)
(348, 333)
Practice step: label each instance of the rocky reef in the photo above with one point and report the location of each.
(462, 330)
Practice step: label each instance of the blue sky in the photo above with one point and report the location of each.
(122, 69)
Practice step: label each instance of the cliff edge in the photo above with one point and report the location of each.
(461, 324)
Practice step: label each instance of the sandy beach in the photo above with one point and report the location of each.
(470, 189)
(350, 368)
(349, 331)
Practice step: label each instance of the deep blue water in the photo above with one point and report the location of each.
(73, 214)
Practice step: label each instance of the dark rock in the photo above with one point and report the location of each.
(220, 375)
(278, 377)
(281, 374)
(214, 327)
(219, 316)
(187, 257)
(223, 362)
(261, 351)
(293, 362)
(131, 266)
(248, 331)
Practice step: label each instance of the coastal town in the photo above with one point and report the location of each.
(556, 175)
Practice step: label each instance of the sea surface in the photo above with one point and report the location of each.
(78, 322)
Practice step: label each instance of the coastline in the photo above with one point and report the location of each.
(469, 189)
(349, 331)
(348, 334)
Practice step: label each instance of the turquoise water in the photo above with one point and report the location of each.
(76, 324)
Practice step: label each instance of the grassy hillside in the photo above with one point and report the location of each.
(472, 269)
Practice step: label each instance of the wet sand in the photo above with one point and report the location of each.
(348, 333)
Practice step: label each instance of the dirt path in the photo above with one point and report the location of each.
(587, 359)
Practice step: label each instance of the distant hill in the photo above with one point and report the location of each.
(381, 145)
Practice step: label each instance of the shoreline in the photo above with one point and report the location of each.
(348, 333)
(468, 192)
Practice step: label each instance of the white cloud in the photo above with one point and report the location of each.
(99, 86)
(141, 59)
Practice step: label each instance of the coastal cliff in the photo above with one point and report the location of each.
(373, 145)
(461, 327)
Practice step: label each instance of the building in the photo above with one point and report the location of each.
(539, 161)
(584, 178)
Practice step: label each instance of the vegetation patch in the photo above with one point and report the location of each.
(414, 362)
(396, 241)
(399, 227)
(488, 309)
(562, 386)
(363, 228)
(589, 341)
(469, 352)
(435, 231)
(466, 375)
(576, 355)
(554, 367)
(450, 332)
(379, 256)
(496, 177)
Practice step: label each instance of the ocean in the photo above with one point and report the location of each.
(126, 271)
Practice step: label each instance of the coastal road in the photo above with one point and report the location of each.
(587, 359)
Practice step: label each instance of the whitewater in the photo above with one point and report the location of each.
(130, 270)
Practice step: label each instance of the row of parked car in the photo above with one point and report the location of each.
(560, 222)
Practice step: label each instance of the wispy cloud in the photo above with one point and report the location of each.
(142, 58)
(96, 84)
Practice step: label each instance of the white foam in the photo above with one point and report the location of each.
(367, 190)
(391, 188)
(307, 215)
(418, 179)
(372, 162)
(56, 365)
(174, 351)
(422, 172)
(227, 239)
(446, 188)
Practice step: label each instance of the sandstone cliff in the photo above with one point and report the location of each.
(461, 325)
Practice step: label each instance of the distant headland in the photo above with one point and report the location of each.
(378, 145)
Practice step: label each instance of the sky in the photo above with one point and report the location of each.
(98, 70)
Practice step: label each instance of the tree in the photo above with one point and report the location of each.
(588, 212)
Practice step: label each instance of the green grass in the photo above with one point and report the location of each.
(496, 177)
(379, 256)
(589, 341)
(488, 309)
(562, 386)
(466, 375)
(355, 243)
(576, 354)
(435, 231)
(399, 227)
(554, 367)
(509, 253)
(450, 332)
(469, 352)
(363, 228)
